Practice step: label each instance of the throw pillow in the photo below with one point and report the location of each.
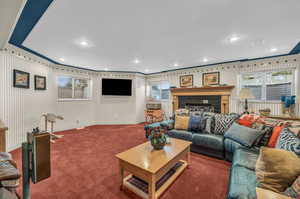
(274, 137)
(197, 123)
(276, 169)
(246, 123)
(294, 190)
(242, 135)
(266, 135)
(182, 112)
(209, 126)
(288, 141)
(181, 122)
(223, 122)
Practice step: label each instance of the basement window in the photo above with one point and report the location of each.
(160, 90)
(270, 85)
(73, 88)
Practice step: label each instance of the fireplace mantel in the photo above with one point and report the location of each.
(223, 91)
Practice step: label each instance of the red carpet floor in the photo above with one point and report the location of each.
(84, 167)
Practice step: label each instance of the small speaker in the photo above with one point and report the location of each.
(41, 162)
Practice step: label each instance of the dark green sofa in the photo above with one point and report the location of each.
(242, 183)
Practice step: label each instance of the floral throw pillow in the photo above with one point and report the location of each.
(294, 190)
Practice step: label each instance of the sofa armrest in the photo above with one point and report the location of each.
(168, 124)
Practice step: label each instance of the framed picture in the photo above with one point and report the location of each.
(186, 81)
(39, 82)
(209, 79)
(21, 79)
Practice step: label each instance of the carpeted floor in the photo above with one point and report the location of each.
(84, 167)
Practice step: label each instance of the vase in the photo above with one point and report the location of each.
(158, 145)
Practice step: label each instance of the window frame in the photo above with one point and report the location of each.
(264, 84)
(90, 94)
(152, 83)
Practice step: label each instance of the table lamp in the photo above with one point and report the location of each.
(246, 93)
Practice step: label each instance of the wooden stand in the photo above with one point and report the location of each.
(3, 130)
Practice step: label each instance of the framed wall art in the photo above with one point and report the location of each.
(21, 79)
(209, 79)
(186, 81)
(39, 82)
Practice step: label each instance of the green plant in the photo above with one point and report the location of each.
(157, 137)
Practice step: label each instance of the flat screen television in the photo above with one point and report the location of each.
(120, 87)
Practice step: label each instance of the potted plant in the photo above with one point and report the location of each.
(158, 138)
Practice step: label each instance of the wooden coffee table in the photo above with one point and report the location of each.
(151, 166)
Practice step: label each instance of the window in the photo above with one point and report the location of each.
(73, 88)
(160, 90)
(270, 85)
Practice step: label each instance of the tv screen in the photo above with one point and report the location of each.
(121, 87)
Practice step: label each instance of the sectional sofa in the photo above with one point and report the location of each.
(242, 183)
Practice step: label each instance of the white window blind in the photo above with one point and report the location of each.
(160, 90)
(270, 85)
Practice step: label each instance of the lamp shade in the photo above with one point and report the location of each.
(246, 93)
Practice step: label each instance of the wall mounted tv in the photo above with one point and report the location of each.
(120, 87)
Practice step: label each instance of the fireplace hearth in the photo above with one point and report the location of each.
(213, 99)
(201, 103)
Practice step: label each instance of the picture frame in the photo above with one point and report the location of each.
(186, 81)
(210, 79)
(21, 79)
(40, 82)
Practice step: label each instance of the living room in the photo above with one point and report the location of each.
(191, 75)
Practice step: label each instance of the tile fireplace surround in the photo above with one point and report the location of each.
(224, 92)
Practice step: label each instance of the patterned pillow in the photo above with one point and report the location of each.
(223, 122)
(294, 190)
(266, 135)
(288, 141)
(210, 122)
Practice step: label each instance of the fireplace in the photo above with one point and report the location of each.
(214, 99)
(208, 103)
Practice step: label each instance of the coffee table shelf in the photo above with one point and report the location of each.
(161, 189)
(153, 171)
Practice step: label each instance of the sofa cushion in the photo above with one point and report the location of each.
(276, 169)
(180, 134)
(243, 135)
(197, 123)
(245, 157)
(181, 122)
(288, 141)
(231, 146)
(242, 183)
(209, 141)
(223, 122)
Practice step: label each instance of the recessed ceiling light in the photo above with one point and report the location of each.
(205, 60)
(176, 65)
(273, 49)
(136, 61)
(146, 70)
(62, 59)
(83, 43)
(234, 38)
(106, 69)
